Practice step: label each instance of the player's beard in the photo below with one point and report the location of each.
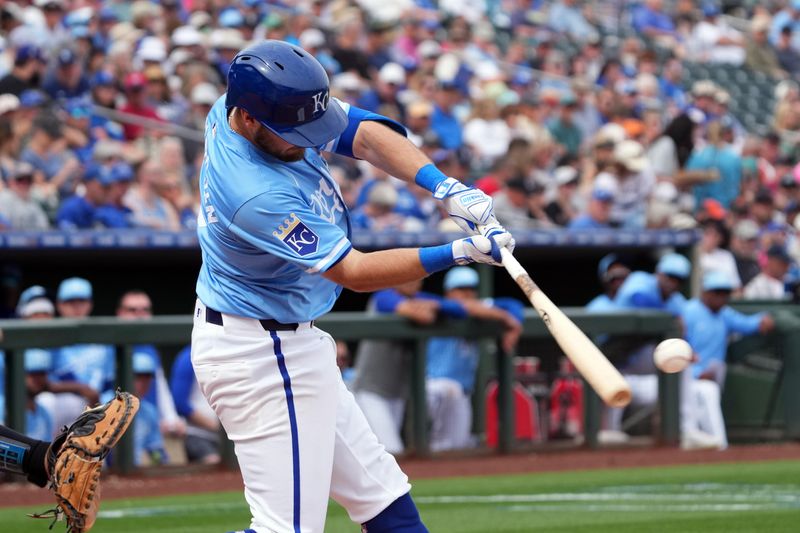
(277, 147)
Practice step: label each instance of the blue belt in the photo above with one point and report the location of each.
(215, 317)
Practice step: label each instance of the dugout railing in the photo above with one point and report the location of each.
(18, 335)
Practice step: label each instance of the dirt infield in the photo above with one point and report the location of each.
(114, 487)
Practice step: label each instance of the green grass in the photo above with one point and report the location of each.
(715, 498)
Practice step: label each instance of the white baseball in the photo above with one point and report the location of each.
(672, 355)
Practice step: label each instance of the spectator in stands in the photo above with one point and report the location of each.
(760, 56)
(563, 129)
(512, 203)
(134, 85)
(744, 246)
(566, 16)
(148, 209)
(389, 82)
(443, 120)
(136, 304)
(563, 207)
(67, 80)
(114, 213)
(719, 155)
(788, 58)
(418, 120)
(55, 167)
(634, 184)
(708, 323)
(671, 85)
(650, 20)
(148, 443)
(714, 255)
(788, 16)
(769, 284)
(380, 212)
(486, 133)
(202, 425)
(17, 207)
(29, 64)
(714, 41)
(598, 209)
(452, 361)
(78, 211)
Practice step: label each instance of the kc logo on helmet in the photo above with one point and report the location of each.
(321, 101)
(297, 236)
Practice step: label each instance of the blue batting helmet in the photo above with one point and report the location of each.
(286, 89)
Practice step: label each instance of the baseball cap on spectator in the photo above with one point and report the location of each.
(38, 360)
(347, 82)
(204, 94)
(186, 36)
(605, 265)
(631, 155)
(710, 9)
(27, 52)
(763, 196)
(312, 38)
(392, 73)
(107, 14)
(382, 194)
(609, 135)
(227, 39)
(102, 78)
(121, 172)
(674, 265)
(461, 277)
(566, 175)
(179, 56)
(717, 281)
(99, 173)
(143, 363)
(21, 170)
(134, 80)
(231, 18)
(36, 306)
(78, 108)
(714, 209)
(776, 251)
(704, 88)
(428, 49)
(66, 56)
(8, 102)
(151, 49)
(74, 289)
(746, 230)
(200, 19)
(419, 108)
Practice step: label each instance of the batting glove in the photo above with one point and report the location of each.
(467, 206)
(480, 249)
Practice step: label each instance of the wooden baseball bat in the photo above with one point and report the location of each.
(590, 362)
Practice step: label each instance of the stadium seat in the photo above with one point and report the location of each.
(526, 416)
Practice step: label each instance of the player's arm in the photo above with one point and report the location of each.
(382, 142)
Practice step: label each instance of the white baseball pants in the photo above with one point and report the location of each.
(298, 433)
(701, 407)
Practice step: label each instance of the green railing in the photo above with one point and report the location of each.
(17, 335)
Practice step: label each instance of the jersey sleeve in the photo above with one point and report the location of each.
(741, 323)
(388, 300)
(343, 144)
(293, 233)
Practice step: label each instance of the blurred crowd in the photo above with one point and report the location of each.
(174, 425)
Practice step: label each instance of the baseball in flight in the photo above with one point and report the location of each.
(672, 355)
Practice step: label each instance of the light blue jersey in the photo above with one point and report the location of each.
(91, 364)
(640, 291)
(268, 228)
(707, 332)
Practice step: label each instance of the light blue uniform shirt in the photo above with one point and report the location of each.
(267, 228)
(707, 332)
(91, 364)
(38, 423)
(453, 358)
(640, 291)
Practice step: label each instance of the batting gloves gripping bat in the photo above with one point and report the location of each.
(470, 208)
(480, 249)
(75, 459)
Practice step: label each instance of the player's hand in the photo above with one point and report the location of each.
(767, 324)
(480, 249)
(467, 206)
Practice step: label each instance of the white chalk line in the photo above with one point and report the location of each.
(699, 497)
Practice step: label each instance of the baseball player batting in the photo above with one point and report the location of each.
(275, 238)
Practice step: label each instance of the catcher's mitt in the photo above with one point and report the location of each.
(75, 459)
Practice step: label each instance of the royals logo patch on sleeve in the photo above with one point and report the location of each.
(297, 236)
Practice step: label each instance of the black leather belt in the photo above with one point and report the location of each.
(215, 317)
